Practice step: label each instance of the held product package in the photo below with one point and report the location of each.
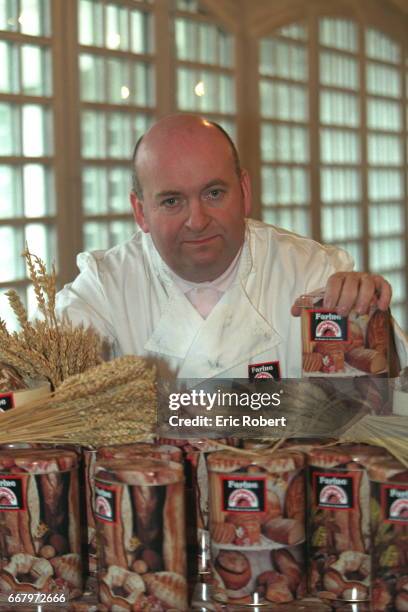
(139, 511)
(389, 525)
(40, 542)
(352, 345)
(339, 538)
(257, 526)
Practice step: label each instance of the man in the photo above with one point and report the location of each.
(200, 289)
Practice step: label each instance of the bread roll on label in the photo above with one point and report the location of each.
(344, 346)
(140, 524)
(339, 520)
(257, 525)
(389, 524)
(40, 542)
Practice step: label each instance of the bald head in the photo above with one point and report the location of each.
(171, 129)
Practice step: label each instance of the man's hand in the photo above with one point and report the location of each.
(347, 290)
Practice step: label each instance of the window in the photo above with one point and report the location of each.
(117, 92)
(205, 65)
(349, 124)
(284, 129)
(27, 195)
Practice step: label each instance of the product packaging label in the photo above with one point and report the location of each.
(243, 494)
(6, 401)
(333, 490)
(270, 369)
(105, 503)
(394, 503)
(11, 493)
(327, 326)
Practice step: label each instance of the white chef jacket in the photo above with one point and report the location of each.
(128, 295)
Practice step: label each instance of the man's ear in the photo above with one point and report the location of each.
(246, 191)
(138, 212)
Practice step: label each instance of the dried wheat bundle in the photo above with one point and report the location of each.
(46, 348)
(390, 432)
(112, 403)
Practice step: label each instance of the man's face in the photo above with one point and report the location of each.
(194, 203)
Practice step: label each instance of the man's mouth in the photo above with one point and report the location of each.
(198, 241)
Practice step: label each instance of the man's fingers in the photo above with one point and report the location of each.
(383, 291)
(333, 290)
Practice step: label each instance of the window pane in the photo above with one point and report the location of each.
(117, 33)
(386, 219)
(284, 186)
(92, 78)
(338, 33)
(340, 223)
(90, 22)
(293, 220)
(143, 87)
(386, 254)
(40, 240)
(34, 17)
(379, 46)
(121, 231)
(94, 190)
(339, 109)
(186, 39)
(10, 192)
(93, 134)
(39, 197)
(281, 101)
(355, 250)
(96, 235)
(383, 80)
(119, 187)
(384, 150)
(119, 135)
(284, 143)
(12, 265)
(282, 59)
(9, 68)
(339, 147)
(36, 71)
(207, 44)
(36, 131)
(384, 115)
(385, 185)
(118, 78)
(340, 185)
(141, 32)
(338, 70)
(9, 130)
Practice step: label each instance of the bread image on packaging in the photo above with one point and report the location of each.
(336, 345)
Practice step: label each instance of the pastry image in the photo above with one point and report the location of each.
(169, 587)
(378, 331)
(284, 530)
(223, 533)
(121, 588)
(234, 569)
(68, 568)
(368, 360)
(26, 573)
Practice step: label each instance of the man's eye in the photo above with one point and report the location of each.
(170, 202)
(215, 194)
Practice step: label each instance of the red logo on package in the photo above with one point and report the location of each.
(327, 326)
(6, 401)
(333, 490)
(243, 493)
(394, 504)
(11, 493)
(269, 370)
(106, 503)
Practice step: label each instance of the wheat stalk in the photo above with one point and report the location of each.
(49, 348)
(113, 403)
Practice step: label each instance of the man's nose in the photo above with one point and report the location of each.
(198, 218)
